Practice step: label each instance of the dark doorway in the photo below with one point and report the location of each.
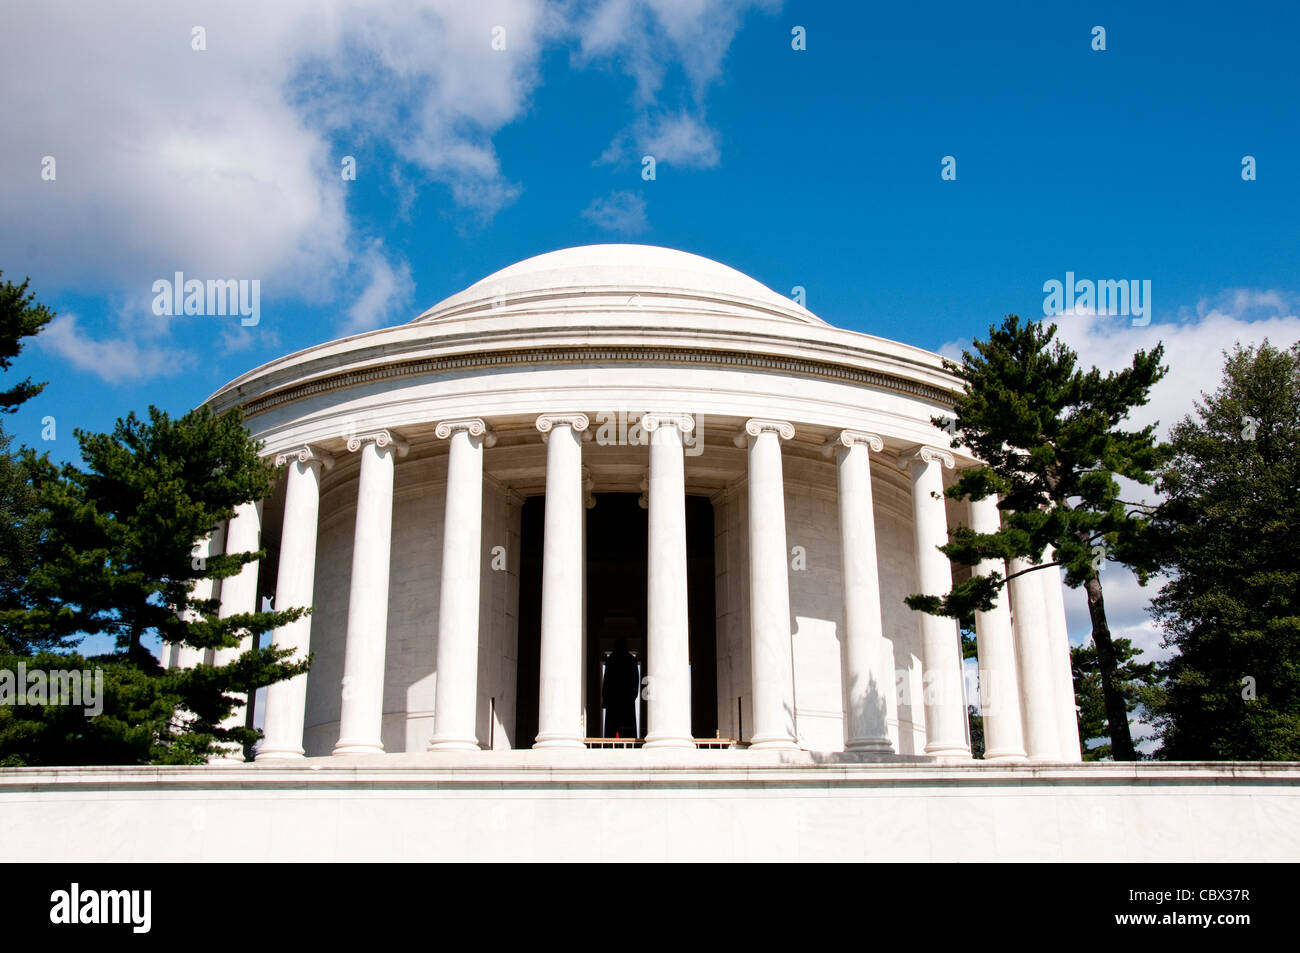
(617, 542)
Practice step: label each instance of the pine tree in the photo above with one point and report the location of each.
(1049, 437)
(115, 557)
(20, 317)
(18, 535)
(1227, 535)
(1134, 678)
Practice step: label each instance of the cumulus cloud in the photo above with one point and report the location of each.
(219, 155)
(222, 161)
(388, 288)
(1195, 338)
(644, 39)
(439, 80)
(620, 211)
(683, 140)
(114, 360)
(1195, 341)
(645, 36)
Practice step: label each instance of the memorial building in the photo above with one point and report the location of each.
(632, 453)
(607, 556)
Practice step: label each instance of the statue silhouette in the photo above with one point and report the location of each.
(620, 691)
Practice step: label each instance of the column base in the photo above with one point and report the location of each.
(452, 744)
(668, 741)
(870, 745)
(777, 743)
(558, 741)
(950, 752)
(279, 754)
(358, 747)
(1005, 756)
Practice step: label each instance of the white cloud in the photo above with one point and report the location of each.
(236, 338)
(644, 39)
(222, 163)
(953, 349)
(619, 211)
(115, 360)
(225, 162)
(1194, 353)
(681, 140)
(644, 36)
(388, 288)
(1194, 345)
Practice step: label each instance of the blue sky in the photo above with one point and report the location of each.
(818, 168)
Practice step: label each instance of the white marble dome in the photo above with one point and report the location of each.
(572, 283)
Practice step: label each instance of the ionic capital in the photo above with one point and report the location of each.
(925, 454)
(474, 426)
(305, 454)
(578, 422)
(652, 421)
(757, 425)
(381, 439)
(853, 438)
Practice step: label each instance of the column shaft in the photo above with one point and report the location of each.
(286, 701)
(362, 711)
(1034, 655)
(1062, 665)
(771, 660)
(999, 686)
(945, 709)
(559, 716)
(456, 698)
(866, 684)
(188, 656)
(668, 621)
(239, 597)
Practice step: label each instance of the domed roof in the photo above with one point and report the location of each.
(617, 275)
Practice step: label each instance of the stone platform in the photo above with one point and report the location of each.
(653, 805)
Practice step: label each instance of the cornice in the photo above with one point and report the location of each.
(492, 358)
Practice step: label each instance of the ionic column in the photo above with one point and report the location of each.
(866, 685)
(588, 502)
(945, 708)
(362, 712)
(559, 716)
(1034, 658)
(456, 697)
(1062, 665)
(771, 662)
(188, 656)
(239, 597)
(286, 701)
(668, 621)
(999, 686)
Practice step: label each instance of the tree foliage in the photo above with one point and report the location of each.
(20, 317)
(1134, 678)
(1228, 537)
(18, 534)
(1050, 437)
(114, 557)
